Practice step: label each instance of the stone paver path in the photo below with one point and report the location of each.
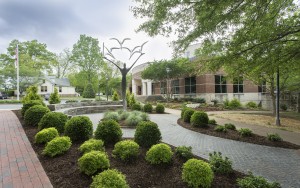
(20, 166)
(275, 164)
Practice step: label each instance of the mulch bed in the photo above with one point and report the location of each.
(63, 170)
(234, 135)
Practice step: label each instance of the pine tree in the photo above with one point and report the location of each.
(54, 97)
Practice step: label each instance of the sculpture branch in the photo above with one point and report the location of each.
(112, 63)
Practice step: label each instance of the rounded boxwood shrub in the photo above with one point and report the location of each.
(45, 135)
(93, 161)
(197, 173)
(136, 106)
(29, 104)
(54, 119)
(111, 115)
(188, 114)
(182, 111)
(91, 145)
(148, 108)
(251, 104)
(159, 154)
(109, 178)
(199, 119)
(34, 114)
(147, 134)
(126, 150)
(57, 146)
(79, 128)
(160, 108)
(109, 131)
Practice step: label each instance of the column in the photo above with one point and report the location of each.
(134, 86)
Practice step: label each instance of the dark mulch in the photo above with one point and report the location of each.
(234, 135)
(63, 170)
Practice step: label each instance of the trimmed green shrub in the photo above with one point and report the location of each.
(45, 135)
(109, 178)
(183, 110)
(212, 122)
(93, 161)
(54, 119)
(230, 126)
(115, 96)
(188, 114)
(197, 173)
(220, 128)
(133, 119)
(71, 101)
(136, 106)
(235, 103)
(159, 154)
(34, 114)
(252, 181)
(31, 94)
(109, 131)
(148, 108)
(147, 134)
(57, 146)
(126, 150)
(29, 104)
(251, 104)
(79, 128)
(220, 165)
(274, 137)
(88, 91)
(111, 115)
(244, 132)
(132, 100)
(199, 119)
(54, 97)
(160, 108)
(128, 98)
(92, 145)
(184, 152)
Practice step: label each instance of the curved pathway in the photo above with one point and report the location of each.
(275, 164)
(20, 166)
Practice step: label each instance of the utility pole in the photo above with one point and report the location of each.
(17, 66)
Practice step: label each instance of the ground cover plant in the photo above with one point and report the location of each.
(63, 170)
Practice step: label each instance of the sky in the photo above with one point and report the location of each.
(59, 23)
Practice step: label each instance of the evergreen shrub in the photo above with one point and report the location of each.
(147, 134)
(184, 152)
(126, 150)
(188, 114)
(159, 154)
(34, 114)
(31, 103)
(109, 131)
(57, 146)
(199, 119)
(54, 119)
(160, 109)
(88, 91)
(93, 161)
(219, 164)
(45, 135)
(109, 178)
(92, 145)
(148, 108)
(54, 97)
(79, 128)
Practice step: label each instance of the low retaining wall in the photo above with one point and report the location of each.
(55, 107)
(91, 109)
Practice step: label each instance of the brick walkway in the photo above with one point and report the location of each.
(20, 166)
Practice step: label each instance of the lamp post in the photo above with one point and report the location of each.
(277, 122)
(106, 88)
(167, 70)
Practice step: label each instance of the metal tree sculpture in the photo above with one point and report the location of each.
(136, 50)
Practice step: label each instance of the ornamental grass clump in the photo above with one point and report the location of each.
(92, 145)
(53, 119)
(34, 114)
(109, 131)
(57, 146)
(197, 173)
(188, 114)
(111, 115)
(126, 150)
(184, 152)
(133, 119)
(79, 128)
(159, 154)
(147, 134)
(109, 178)
(124, 115)
(93, 161)
(219, 164)
(199, 119)
(45, 135)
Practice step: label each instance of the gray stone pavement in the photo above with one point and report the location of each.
(275, 164)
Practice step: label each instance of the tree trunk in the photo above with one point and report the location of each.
(298, 103)
(124, 85)
(273, 98)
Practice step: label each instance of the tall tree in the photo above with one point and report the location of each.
(86, 55)
(64, 63)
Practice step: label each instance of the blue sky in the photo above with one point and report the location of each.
(58, 23)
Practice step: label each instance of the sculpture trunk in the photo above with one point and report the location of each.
(124, 86)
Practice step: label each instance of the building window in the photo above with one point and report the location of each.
(175, 86)
(60, 89)
(190, 84)
(163, 87)
(220, 84)
(238, 85)
(153, 88)
(263, 87)
(43, 88)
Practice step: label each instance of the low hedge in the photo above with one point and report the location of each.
(34, 114)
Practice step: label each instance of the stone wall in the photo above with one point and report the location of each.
(55, 107)
(91, 109)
